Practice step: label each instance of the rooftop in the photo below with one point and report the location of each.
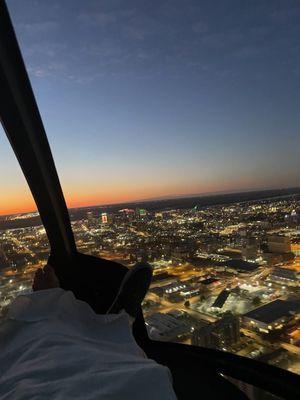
(275, 310)
(222, 297)
(241, 265)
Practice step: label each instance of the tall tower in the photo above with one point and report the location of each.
(104, 218)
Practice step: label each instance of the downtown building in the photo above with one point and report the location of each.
(222, 334)
(272, 316)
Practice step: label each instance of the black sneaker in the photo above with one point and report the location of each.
(132, 291)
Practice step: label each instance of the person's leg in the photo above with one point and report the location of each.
(133, 290)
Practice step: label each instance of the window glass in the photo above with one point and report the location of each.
(23, 242)
(175, 130)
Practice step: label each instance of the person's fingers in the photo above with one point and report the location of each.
(48, 269)
(37, 276)
(45, 278)
(50, 272)
(39, 272)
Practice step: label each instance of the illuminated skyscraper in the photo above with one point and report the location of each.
(141, 213)
(104, 218)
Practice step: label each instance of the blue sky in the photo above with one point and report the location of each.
(149, 98)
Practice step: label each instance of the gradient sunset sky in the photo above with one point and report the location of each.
(142, 99)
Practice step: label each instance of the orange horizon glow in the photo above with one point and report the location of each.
(24, 203)
(128, 121)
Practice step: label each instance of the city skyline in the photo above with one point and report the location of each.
(226, 276)
(30, 207)
(147, 100)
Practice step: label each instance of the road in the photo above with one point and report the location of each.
(166, 306)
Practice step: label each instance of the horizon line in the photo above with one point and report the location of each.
(165, 198)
